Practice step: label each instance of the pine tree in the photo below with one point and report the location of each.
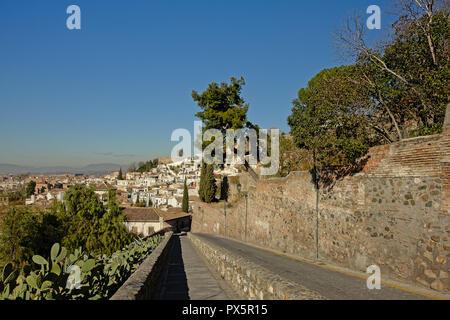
(120, 176)
(185, 204)
(210, 187)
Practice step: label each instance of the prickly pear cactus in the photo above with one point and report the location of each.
(74, 275)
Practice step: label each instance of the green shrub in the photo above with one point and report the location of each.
(50, 279)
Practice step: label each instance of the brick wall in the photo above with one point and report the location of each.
(394, 214)
(412, 157)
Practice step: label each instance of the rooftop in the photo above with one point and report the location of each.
(172, 213)
(152, 214)
(141, 214)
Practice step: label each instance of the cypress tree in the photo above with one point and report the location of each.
(224, 187)
(210, 187)
(201, 187)
(185, 205)
(120, 176)
(30, 188)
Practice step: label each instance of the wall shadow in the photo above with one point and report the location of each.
(330, 175)
(173, 284)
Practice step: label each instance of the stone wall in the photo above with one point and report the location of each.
(395, 213)
(143, 283)
(445, 164)
(248, 279)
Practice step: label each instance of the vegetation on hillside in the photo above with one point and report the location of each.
(143, 166)
(81, 222)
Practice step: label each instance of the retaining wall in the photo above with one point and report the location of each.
(143, 283)
(249, 279)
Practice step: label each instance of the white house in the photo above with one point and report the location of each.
(143, 221)
(122, 183)
(60, 196)
(158, 201)
(146, 221)
(175, 202)
(31, 200)
(144, 196)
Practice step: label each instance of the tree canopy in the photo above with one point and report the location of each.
(29, 190)
(395, 90)
(222, 105)
(327, 117)
(406, 75)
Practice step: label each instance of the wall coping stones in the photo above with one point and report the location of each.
(143, 283)
(250, 280)
(419, 138)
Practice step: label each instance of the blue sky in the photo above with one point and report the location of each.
(116, 89)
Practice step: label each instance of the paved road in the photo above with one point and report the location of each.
(333, 285)
(187, 276)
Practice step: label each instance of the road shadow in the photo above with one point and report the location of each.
(173, 285)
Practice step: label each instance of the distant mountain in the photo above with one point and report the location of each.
(92, 169)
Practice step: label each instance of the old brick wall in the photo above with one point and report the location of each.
(412, 157)
(394, 214)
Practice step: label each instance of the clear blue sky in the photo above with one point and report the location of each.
(116, 89)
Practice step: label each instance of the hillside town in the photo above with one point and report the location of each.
(143, 196)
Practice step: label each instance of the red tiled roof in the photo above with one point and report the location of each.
(141, 214)
(172, 213)
(152, 214)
